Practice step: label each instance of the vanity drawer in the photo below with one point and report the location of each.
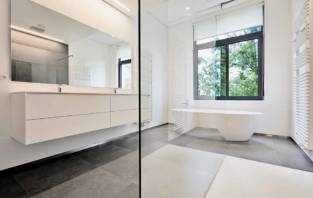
(124, 102)
(119, 118)
(40, 106)
(146, 102)
(55, 128)
(146, 115)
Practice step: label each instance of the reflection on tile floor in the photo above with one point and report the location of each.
(111, 170)
(174, 171)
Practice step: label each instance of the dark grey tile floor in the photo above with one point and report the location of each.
(118, 162)
(273, 150)
(34, 179)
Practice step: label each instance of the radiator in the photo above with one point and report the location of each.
(302, 76)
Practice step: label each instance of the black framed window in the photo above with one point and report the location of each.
(231, 68)
(124, 73)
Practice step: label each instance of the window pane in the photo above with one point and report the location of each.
(243, 68)
(212, 72)
(231, 35)
(126, 76)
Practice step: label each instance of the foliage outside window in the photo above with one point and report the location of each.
(230, 68)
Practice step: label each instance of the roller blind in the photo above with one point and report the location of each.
(231, 21)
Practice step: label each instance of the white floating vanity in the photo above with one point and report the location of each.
(40, 117)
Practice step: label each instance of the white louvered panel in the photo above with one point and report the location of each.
(303, 57)
(302, 121)
(302, 77)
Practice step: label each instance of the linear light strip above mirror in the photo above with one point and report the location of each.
(119, 6)
(13, 27)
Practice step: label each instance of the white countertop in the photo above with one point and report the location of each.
(78, 93)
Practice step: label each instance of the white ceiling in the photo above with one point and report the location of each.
(177, 8)
(172, 11)
(25, 13)
(166, 11)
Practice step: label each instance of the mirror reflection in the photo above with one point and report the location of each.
(48, 47)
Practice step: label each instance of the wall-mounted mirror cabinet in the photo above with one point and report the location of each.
(48, 47)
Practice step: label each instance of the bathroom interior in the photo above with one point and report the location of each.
(156, 98)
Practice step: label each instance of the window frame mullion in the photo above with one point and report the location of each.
(227, 70)
(226, 42)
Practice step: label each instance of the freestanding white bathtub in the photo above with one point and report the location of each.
(233, 125)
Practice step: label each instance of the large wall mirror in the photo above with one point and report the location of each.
(48, 47)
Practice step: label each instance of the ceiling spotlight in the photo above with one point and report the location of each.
(187, 8)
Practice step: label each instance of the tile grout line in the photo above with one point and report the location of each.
(20, 185)
(211, 183)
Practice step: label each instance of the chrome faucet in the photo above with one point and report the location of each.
(186, 103)
(60, 88)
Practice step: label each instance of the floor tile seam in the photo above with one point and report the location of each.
(76, 178)
(28, 194)
(209, 172)
(228, 148)
(172, 162)
(84, 163)
(128, 150)
(231, 155)
(249, 158)
(112, 161)
(282, 164)
(124, 146)
(125, 187)
(215, 176)
(89, 169)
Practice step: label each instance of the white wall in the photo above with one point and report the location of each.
(154, 42)
(92, 64)
(278, 59)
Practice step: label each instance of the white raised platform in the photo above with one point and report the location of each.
(233, 125)
(178, 172)
(240, 178)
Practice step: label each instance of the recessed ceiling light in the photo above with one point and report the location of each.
(189, 14)
(187, 8)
